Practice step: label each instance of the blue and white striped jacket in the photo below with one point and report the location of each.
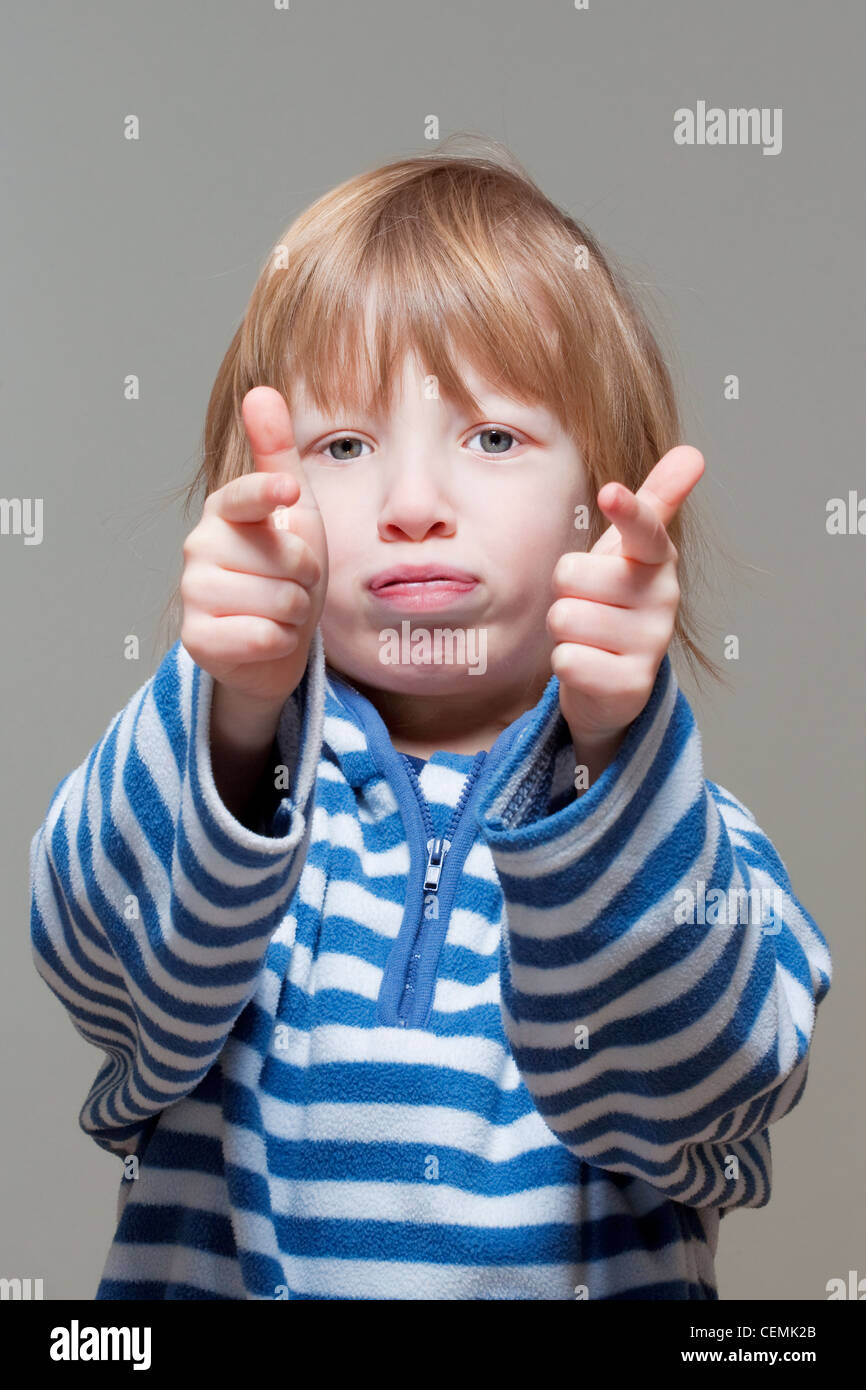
(343, 1065)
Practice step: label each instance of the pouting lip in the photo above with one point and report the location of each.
(416, 574)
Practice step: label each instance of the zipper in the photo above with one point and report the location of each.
(437, 848)
(437, 875)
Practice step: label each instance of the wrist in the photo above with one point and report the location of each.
(595, 754)
(242, 743)
(243, 722)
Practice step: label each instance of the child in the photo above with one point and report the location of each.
(423, 976)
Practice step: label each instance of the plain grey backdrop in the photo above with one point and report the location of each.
(139, 257)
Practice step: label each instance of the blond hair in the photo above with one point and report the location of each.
(467, 259)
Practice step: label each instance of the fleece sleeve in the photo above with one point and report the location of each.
(659, 978)
(151, 906)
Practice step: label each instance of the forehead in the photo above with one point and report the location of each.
(409, 381)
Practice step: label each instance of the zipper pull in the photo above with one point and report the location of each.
(436, 851)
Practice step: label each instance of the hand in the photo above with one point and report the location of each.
(253, 584)
(616, 606)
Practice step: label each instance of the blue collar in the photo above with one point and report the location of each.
(383, 758)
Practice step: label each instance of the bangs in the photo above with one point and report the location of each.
(456, 271)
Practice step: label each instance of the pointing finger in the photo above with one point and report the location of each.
(637, 532)
(252, 496)
(671, 481)
(269, 430)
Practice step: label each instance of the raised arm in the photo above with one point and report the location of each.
(153, 893)
(659, 1027)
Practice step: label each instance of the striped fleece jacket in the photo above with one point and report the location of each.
(441, 1030)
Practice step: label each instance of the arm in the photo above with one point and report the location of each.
(696, 1036)
(152, 906)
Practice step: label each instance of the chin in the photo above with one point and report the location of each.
(416, 679)
(409, 656)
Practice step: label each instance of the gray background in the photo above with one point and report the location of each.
(140, 257)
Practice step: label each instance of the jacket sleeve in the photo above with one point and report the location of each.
(151, 906)
(658, 1007)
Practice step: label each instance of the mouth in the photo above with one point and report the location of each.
(417, 577)
(422, 586)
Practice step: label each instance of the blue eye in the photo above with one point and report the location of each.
(343, 440)
(501, 440)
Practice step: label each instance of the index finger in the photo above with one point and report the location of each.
(671, 481)
(635, 529)
(638, 526)
(268, 426)
(252, 496)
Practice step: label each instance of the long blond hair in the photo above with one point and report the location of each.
(466, 259)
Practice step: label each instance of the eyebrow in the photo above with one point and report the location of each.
(491, 405)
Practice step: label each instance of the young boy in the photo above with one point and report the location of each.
(421, 978)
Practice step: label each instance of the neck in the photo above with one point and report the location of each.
(423, 724)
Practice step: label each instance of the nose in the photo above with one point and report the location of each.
(416, 502)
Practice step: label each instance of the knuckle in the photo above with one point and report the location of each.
(306, 567)
(668, 593)
(262, 635)
(190, 544)
(560, 570)
(295, 603)
(565, 571)
(642, 680)
(233, 491)
(556, 615)
(316, 570)
(561, 663)
(293, 550)
(191, 580)
(191, 635)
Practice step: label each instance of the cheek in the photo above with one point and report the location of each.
(344, 506)
(336, 519)
(530, 541)
(348, 563)
(536, 515)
